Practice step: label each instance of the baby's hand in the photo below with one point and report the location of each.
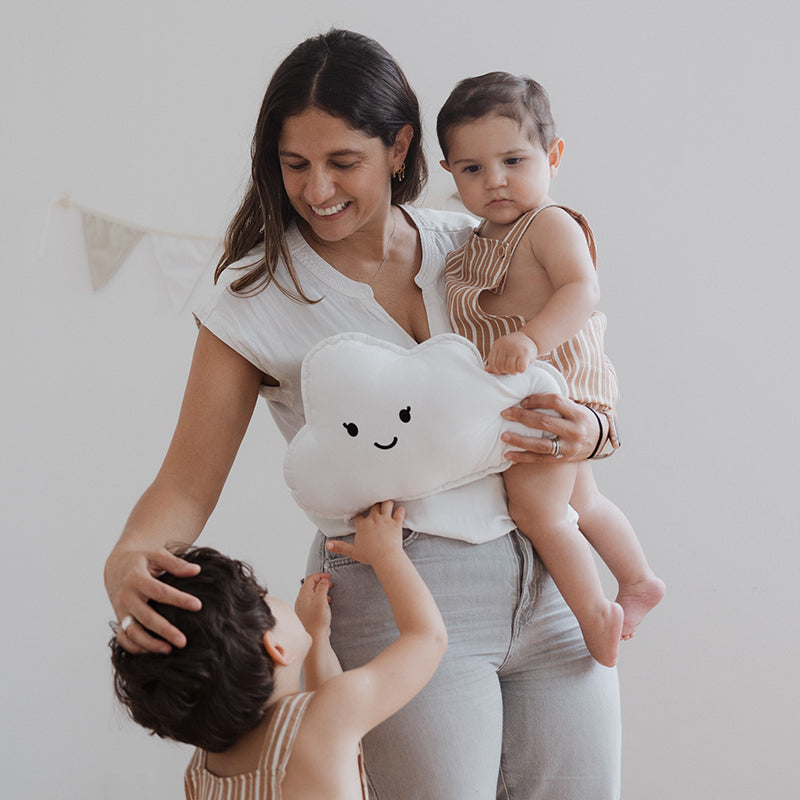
(511, 354)
(313, 604)
(377, 534)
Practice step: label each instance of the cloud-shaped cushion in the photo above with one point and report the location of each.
(383, 422)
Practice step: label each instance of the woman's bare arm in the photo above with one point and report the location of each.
(220, 395)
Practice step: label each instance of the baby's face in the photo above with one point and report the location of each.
(499, 171)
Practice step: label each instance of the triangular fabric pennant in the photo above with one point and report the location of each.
(108, 244)
(183, 261)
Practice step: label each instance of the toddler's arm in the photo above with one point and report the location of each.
(368, 695)
(313, 608)
(559, 245)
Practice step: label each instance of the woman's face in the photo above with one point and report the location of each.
(337, 178)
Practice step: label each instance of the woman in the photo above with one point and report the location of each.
(325, 244)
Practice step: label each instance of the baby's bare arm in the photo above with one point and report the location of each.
(313, 608)
(362, 698)
(559, 245)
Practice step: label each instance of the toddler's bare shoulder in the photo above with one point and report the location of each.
(554, 228)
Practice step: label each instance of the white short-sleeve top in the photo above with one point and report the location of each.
(274, 333)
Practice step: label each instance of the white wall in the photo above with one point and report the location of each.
(681, 125)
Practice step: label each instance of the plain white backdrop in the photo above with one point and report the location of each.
(681, 124)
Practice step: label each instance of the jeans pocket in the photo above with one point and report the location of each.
(334, 561)
(338, 560)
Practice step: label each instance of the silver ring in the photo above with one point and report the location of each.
(556, 451)
(126, 623)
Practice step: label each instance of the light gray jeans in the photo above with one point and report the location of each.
(517, 710)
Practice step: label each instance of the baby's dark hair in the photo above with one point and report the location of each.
(515, 96)
(215, 689)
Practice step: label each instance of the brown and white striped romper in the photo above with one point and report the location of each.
(263, 783)
(480, 265)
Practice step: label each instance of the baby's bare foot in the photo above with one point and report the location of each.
(602, 633)
(637, 599)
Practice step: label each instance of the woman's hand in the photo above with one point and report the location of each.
(575, 428)
(312, 605)
(131, 578)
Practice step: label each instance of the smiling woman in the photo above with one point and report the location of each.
(359, 114)
(326, 242)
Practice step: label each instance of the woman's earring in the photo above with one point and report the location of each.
(400, 173)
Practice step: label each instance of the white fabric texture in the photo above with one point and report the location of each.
(384, 422)
(275, 333)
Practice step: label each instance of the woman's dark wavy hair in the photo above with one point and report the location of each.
(515, 96)
(348, 76)
(215, 689)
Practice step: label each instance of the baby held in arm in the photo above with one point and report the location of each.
(258, 690)
(524, 287)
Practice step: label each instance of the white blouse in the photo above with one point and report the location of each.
(274, 333)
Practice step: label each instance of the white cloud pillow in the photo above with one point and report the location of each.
(383, 422)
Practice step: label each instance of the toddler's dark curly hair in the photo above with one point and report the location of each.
(215, 689)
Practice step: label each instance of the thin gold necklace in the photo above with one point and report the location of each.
(383, 260)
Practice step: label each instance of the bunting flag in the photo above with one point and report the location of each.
(108, 244)
(182, 259)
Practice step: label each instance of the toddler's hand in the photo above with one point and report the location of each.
(378, 534)
(511, 354)
(313, 604)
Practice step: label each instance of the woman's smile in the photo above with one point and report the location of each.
(330, 211)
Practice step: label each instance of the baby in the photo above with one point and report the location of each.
(234, 691)
(524, 286)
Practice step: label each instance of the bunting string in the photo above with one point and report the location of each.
(182, 259)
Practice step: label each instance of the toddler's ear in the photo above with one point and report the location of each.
(445, 165)
(554, 155)
(276, 651)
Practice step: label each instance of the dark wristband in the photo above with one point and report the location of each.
(600, 436)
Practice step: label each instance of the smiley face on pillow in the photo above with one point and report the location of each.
(383, 422)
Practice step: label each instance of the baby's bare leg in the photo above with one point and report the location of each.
(615, 540)
(537, 502)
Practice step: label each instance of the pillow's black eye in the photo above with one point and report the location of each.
(405, 414)
(351, 428)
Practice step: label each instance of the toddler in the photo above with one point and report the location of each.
(524, 286)
(234, 691)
